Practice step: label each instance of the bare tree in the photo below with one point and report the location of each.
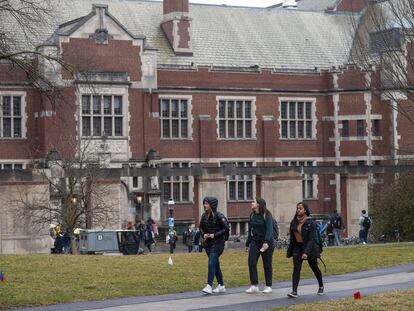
(383, 47)
(77, 193)
(20, 21)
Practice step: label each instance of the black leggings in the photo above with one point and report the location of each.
(254, 254)
(297, 267)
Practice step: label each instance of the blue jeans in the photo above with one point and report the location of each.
(363, 236)
(337, 234)
(214, 269)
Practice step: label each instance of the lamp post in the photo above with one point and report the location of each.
(140, 204)
(171, 207)
(171, 204)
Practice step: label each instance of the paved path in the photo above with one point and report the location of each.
(367, 282)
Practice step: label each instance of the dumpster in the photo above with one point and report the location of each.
(92, 241)
(128, 241)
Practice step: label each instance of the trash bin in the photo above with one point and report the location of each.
(128, 241)
(92, 241)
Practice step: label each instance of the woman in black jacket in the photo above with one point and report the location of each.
(260, 243)
(213, 228)
(303, 246)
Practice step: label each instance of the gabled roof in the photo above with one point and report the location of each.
(225, 36)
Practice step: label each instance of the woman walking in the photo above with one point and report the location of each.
(302, 246)
(213, 227)
(260, 243)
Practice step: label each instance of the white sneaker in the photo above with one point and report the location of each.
(253, 290)
(207, 290)
(219, 289)
(267, 290)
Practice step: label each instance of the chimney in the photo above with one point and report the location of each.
(176, 26)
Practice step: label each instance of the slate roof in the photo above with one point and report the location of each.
(225, 36)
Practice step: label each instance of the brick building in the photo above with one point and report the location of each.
(256, 87)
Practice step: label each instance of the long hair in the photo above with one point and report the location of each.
(262, 206)
(294, 222)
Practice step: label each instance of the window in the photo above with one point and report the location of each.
(345, 128)
(11, 166)
(174, 118)
(296, 119)
(361, 163)
(235, 119)
(345, 163)
(177, 187)
(385, 40)
(102, 115)
(239, 187)
(135, 182)
(307, 179)
(360, 128)
(376, 127)
(10, 116)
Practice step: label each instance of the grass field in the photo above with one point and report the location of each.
(46, 279)
(394, 301)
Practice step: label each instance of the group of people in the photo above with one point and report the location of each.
(260, 242)
(334, 227)
(145, 232)
(61, 244)
(191, 238)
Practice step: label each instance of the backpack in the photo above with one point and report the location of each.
(318, 240)
(337, 222)
(275, 231)
(227, 232)
(367, 222)
(275, 228)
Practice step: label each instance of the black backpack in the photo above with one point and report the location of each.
(367, 222)
(337, 222)
(227, 232)
(275, 228)
(318, 240)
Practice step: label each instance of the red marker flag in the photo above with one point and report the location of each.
(2, 279)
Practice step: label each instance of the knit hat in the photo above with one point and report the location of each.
(212, 201)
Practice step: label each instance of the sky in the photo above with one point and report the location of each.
(250, 3)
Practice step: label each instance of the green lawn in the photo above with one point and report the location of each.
(47, 279)
(393, 301)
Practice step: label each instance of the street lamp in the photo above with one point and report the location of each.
(171, 206)
(140, 204)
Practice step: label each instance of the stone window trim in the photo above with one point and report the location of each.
(180, 119)
(180, 188)
(246, 132)
(104, 91)
(295, 122)
(22, 116)
(12, 166)
(240, 188)
(309, 181)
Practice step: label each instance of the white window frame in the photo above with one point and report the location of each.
(243, 119)
(312, 119)
(305, 178)
(189, 117)
(240, 180)
(170, 181)
(23, 115)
